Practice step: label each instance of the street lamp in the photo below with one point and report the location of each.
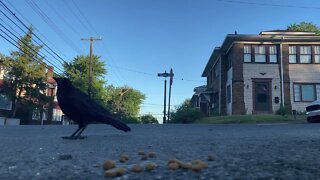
(165, 75)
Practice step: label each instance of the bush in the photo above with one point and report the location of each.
(148, 119)
(188, 115)
(283, 110)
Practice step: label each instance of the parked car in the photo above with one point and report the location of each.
(313, 112)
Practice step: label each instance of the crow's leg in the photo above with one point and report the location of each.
(73, 135)
(78, 135)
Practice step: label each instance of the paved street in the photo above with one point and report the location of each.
(265, 151)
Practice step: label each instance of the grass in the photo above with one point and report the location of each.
(259, 118)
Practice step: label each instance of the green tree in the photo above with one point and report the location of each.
(148, 119)
(25, 80)
(184, 113)
(304, 26)
(125, 101)
(78, 72)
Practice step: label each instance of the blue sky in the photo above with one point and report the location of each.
(141, 38)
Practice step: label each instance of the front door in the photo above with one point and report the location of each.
(262, 96)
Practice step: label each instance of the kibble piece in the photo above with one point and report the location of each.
(120, 171)
(152, 154)
(150, 166)
(136, 168)
(109, 164)
(141, 152)
(210, 158)
(196, 167)
(175, 161)
(173, 166)
(110, 173)
(186, 165)
(115, 172)
(123, 158)
(202, 164)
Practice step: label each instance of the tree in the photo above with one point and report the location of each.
(304, 26)
(125, 101)
(184, 113)
(148, 119)
(78, 72)
(25, 80)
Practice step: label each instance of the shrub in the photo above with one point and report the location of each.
(188, 115)
(283, 110)
(148, 119)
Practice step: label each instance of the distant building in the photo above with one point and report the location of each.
(251, 74)
(201, 99)
(52, 113)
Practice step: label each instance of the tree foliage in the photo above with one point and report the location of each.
(304, 26)
(184, 113)
(25, 80)
(125, 102)
(148, 119)
(78, 72)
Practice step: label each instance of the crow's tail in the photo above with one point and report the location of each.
(119, 125)
(106, 119)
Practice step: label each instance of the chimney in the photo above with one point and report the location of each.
(50, 72)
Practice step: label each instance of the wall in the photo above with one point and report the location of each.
(251, 70)
(306, 73)
(229, 82)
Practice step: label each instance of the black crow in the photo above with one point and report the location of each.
(80, 108)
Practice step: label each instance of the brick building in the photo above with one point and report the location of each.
(252, 74)
(52, 113)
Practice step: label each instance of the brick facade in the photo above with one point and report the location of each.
(245, 76)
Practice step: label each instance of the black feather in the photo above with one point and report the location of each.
(79, 107)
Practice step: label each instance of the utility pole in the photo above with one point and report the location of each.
(165, 75)
(91, 39)
(171, 81)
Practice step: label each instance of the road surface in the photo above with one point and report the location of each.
(246, 151)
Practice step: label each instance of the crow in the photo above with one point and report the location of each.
(80, 108)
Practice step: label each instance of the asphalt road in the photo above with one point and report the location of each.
(264, 151)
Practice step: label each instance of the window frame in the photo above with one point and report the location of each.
(316, 54)
(308, 54)
(247, 53)
(273, 54)
(301, 93)
(263, 54)
(293, 54)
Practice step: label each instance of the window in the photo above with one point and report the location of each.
(306, 92)
(292, 54)
(273, 54)
(216, 71)
(317, 54)
(305, 54)
(247, 53)
(5, 103)
(260, 53)
(36, 114)
(228, 94)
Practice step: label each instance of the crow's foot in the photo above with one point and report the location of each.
(74, 137)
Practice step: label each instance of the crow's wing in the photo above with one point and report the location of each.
(96, 112)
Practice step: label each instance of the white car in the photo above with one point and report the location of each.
(313, 112)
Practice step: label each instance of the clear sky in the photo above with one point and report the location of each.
(141, 38)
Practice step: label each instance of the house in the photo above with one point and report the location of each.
(251, 74)
(201, 99)
(52, 113)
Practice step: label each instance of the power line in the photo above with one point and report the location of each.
(150, 74)
(45, 45)
(52, 25)
(269, 4)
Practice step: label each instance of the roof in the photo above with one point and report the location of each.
(264, 36)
